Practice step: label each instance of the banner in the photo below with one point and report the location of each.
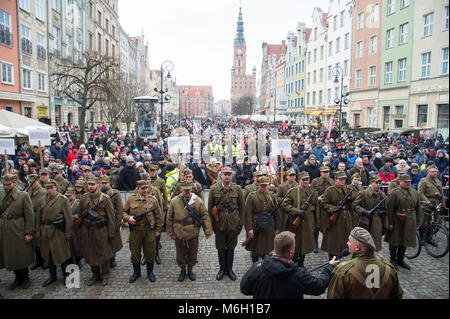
(281, 145)
(179, 142)
(8, 145)
(39, 135)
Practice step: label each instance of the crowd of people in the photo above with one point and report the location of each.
(73, 181)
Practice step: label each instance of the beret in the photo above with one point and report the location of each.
(363, 236)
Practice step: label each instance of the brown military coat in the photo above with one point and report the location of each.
(135, 205)
(231, 216)
(14, 252)
(76, 249)
(284, 214)
(52, 239)
(323, 184)
(249, 189)
(187, 230)
(393, 185)
(116, 200)
(97, 245)
(63, 184)
(430, 190)
(355, 193)
(159, 183)
(36, 196)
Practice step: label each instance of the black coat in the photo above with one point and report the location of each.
(279, 278)
(198, 175)
(128, 177)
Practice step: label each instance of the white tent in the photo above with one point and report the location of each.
(13, 123)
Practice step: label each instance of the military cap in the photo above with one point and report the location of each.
(226, 169)
(257, 173)
(86, 168)
(374, 178)
(32, 178)
(187, 171)
(291, 172)
(141, 183)
(44, 171)
(8, 179)
(324, 169)
(303, 175)
(104, 179)
(312, 156)
(340, 175)
(69, 191)
(401, 171)
(186, 185)
(263, 180)
(51, 183)
(80, 183)
(153, 167)
(363, 236)
(92, 180)
(356, 175)
(404, 178)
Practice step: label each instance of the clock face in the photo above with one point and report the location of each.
(239, 51)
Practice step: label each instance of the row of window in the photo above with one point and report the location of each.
(40, 8)
(7, 77)
(330, 100)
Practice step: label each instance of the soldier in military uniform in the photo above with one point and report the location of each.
(320, 184)
(350, 278)
(55, 230)
(356, 182)
(282, 191)
(364, 202)
(395, 183)
(143, 232)
(258, 202)
(404, 219)
(186, 175)
(252, 187)
(308, 216)
(36, 193)
(60, 180)
(98, 230)
(76, 250)
(431, 195)
(228, 199)
(44, 177)
(16, 228)
(160, 184)
(185, 233)
(336, 233)
(116, 200)
(80, 188)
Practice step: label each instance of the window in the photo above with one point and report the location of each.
(309, 57)
(307, 98)
(426, 65)
(346, 41)
(99, 43)
(5, 28)
(369, 116)
(338, 44)
(359, 49)
(344, 89)
(445, 19)
(390, 7)
(329, 96)
(345, 67)
(373, 44)
(386, 117)
(90, 40)
(106, 46)
(402, 70)
(308, 78)
(314, 76)
(68, 46)
(55, 5)
(399, 109)
(321, 52)
(444, 61)
(388, 71)
(389, 38)
(107, 25)
(334, 23)
(336, 93)
(41, 52)
(320, 97)
(56, 41)
(360, 21)
(40, 9)
(404, 3)
(329, 72)
(330, 48)
(113, 31)
(99, 18)
(374, 14)
(372, 76)
(358, 79)
(315, 34)
(321, 75)
(315, 55)
(403, 34)
(25, 33)
(342, 18)
(314, 98)
(428, 24)
(7, 73)
(26, 77)
(79, 17)
(25, 5)
(41, 82)
(69, 8)
(422, 114)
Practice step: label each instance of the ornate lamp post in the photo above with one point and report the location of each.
(165, 66)
(337, 70)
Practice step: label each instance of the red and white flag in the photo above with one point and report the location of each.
(283, 126)
(331, 127)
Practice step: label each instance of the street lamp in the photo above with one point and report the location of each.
(165, 66)
(337, 70)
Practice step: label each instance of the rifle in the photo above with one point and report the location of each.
(335, 213)
(298, 220)
(372, 211)
(141, 216)
(265, 219)
(198, 221)
(87, 211)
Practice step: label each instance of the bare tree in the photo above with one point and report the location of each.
(244, 106)
(86, 82)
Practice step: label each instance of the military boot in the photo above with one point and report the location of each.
(104, 279)
(400, 258)
(136, 272)
(45, 265)
(39, 261)
(393, 253)
(150, 274)
(222, 264)
(52, 272)
(316, 241)
(157, 259)
(95, 276)
(78, 261)
(17, 281)
(191, 275)
(158, 242)
(229, 254)
(63, 269)
(182, 275)
(25, 278)
(112, 262)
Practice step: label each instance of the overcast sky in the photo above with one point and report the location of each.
(197, 35)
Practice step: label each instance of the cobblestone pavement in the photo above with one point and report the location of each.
(427, 279)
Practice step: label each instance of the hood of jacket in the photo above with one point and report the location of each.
(278, 267)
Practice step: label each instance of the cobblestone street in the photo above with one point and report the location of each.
(427, 279)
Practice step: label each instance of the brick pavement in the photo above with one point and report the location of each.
(427, 279)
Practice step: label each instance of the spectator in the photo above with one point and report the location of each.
(128, 176)
(441, 161)
(312, 167)
(361, 170)
(319, 152)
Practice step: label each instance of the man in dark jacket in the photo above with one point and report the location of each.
(200, 174)
(277, 277)
(128, 176)
(59, 152)
(312, 167)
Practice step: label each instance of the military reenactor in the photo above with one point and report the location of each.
(44, 177)
(36, 193)
(226, 210)
(282, 191)
(98, 230)
(116, 200)
(186, 175)
(160, 184)
(76, 249)
(63, 183)
(303, 208)
(320, 184)
(252, 187)
(187, 213)
(395, 183)
(404, 219)
(87, 172)
(16, 249)
(356, 181)
(349, 279)
(364, 202)
(143, 230)
(80, 188)
(55, 230)
(431, 195)
(337, 231)
(260, 202)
